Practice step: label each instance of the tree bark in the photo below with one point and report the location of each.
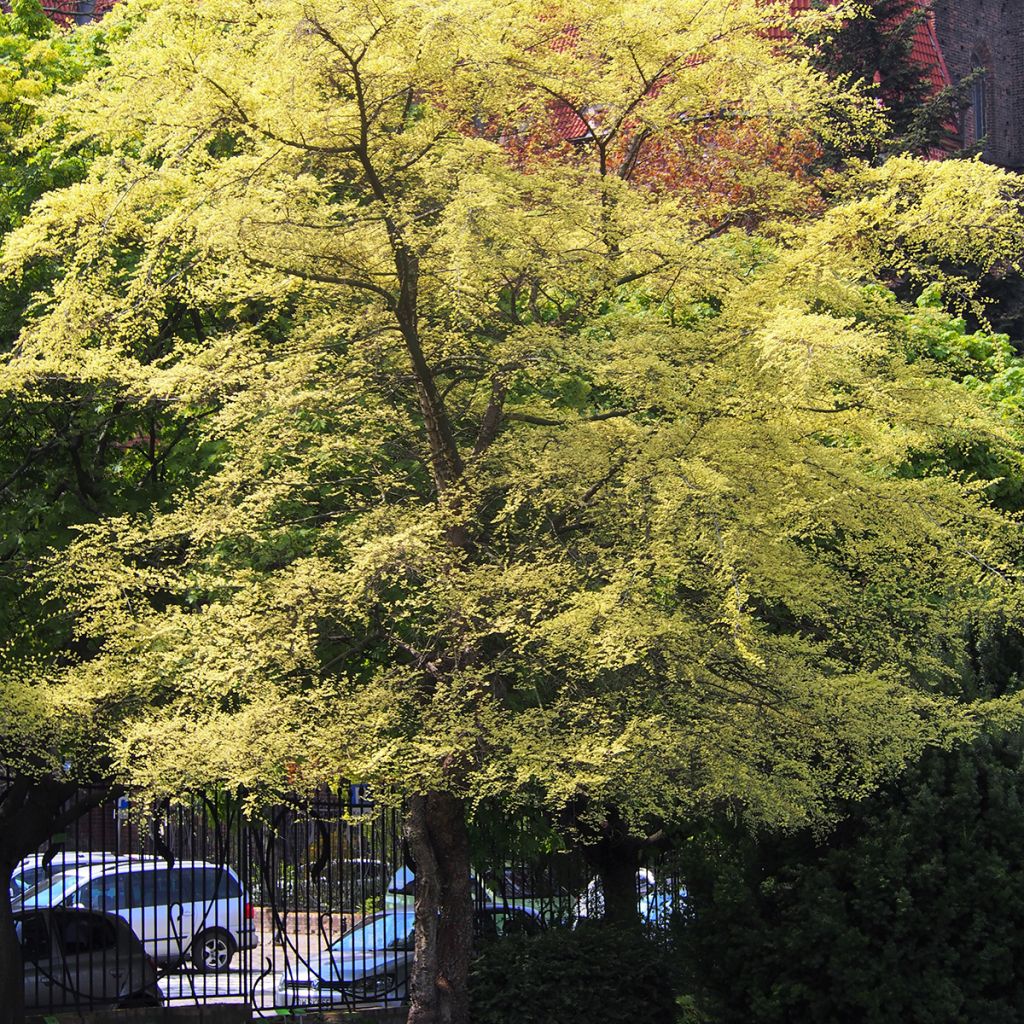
(439, 843)
(12, 987)
(617, 865)
(31, 811)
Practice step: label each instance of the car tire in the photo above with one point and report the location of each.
(385, 987)
(138, 1001)
(212, 950)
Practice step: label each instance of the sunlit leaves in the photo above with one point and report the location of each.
(696, 551)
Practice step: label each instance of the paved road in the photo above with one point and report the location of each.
(243, 983)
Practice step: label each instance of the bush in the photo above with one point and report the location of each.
(912, 911)
(598, 973)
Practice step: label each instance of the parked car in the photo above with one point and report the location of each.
(538, 891)
(189, 910)
(655, 903)
(37, 869)
(370, 963)
(75, 959)
(401, 890)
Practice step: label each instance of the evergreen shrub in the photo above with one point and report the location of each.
(597, 973)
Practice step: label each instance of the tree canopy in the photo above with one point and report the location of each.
(509, 472)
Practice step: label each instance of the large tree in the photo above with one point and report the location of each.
(531, 478)
(43, 476)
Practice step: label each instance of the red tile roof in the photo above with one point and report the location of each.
(925, 52)
(67, 12)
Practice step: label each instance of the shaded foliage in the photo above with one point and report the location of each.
(881, 45)
(912, 910)
(596, 973)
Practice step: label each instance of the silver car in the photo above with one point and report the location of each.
(75, 959)
(370, 963)
(36, 871)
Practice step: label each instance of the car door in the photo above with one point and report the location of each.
(161, 916)
(109, 893)
(92, 971)
(37, 958)
(184, 910)
(210, 906)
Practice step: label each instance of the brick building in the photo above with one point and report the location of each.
(960, 36)
(988, 34)
(76, 11)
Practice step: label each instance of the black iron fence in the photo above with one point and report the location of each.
(310, 906)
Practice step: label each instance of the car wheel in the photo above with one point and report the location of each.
(139, 999)
(377, 987)
(212, 950)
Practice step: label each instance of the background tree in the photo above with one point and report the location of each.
(910, 907)
(911, 910)
(524, 483)
(38, 484)
(74, 449)
(879, 46)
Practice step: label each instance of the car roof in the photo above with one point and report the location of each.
(148, 862)
(66, 857)
(128, 865)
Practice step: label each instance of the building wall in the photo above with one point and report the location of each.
(988, 33)
(971, 33)
(80, 11)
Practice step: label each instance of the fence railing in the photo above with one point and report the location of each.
(310, 906)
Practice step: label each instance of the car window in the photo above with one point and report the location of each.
(218, 884)
(180, 884)
(34, 937)
(27, 879)
(202, 885)
(390, 931)
(84, 933)
(108, 892)
(406, 941)
(50, 892)
(149, 888)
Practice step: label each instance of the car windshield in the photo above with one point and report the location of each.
(27, 879)
(392, 931)
(50, 891)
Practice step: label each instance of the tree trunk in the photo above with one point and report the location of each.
(12, 987)
(438, 841)
(617, 864)
(31, 811)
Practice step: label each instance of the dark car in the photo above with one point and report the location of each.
(74, 959)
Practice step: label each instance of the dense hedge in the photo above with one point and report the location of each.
(912, 912)
(597, 973)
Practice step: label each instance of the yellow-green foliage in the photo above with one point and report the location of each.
(680, 549)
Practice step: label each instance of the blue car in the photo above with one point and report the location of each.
(370, 963)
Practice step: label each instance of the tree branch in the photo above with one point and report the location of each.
(543, 421)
